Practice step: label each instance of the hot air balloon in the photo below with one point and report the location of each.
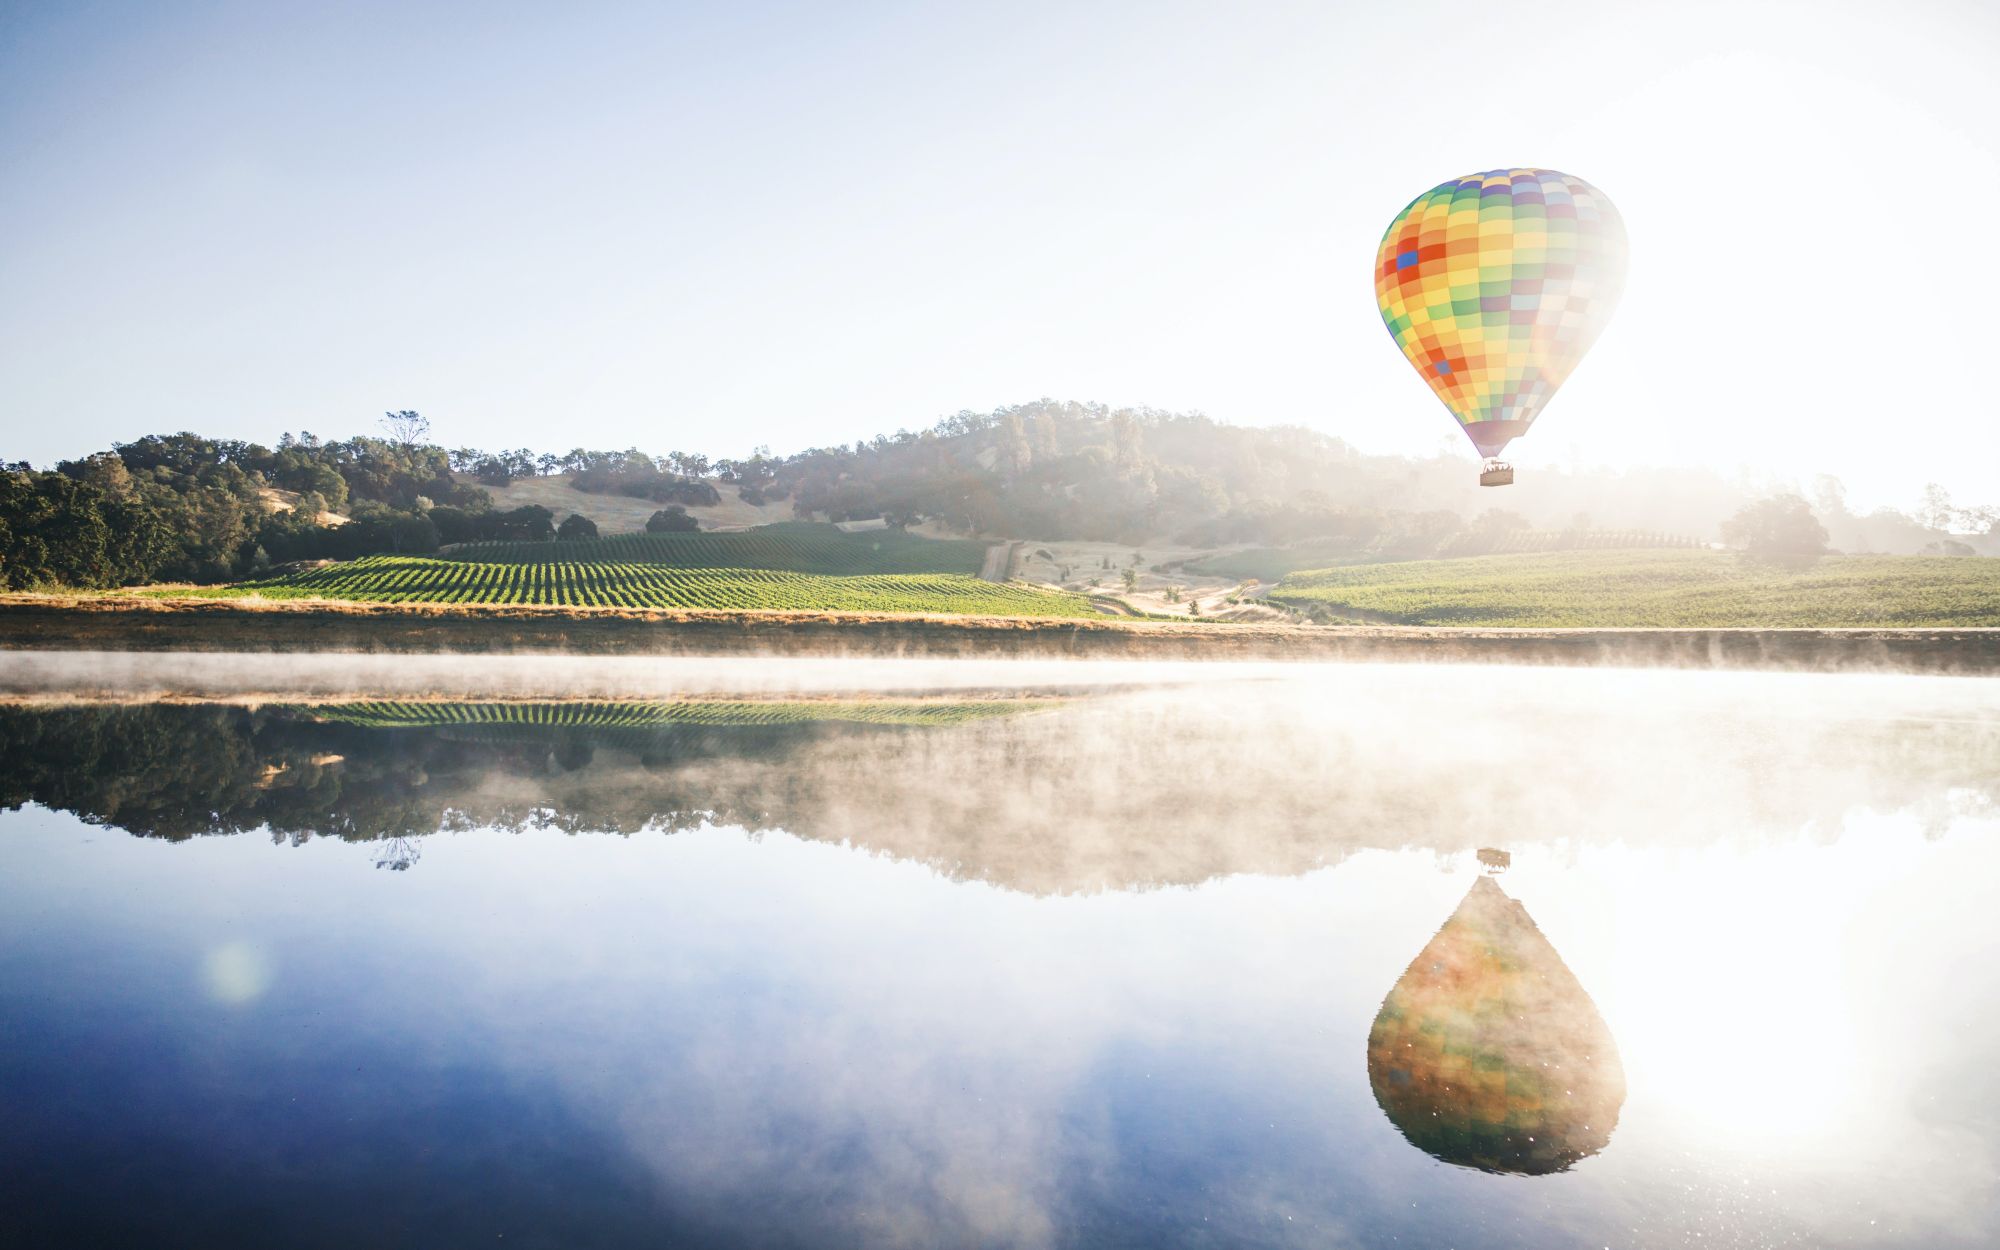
(1488, 1054)
(1494, 285)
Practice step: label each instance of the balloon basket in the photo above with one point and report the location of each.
(1496, 473)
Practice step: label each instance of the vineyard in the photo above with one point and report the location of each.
(386, 714)
(1658, 589)
(429, 579)
(791, 547)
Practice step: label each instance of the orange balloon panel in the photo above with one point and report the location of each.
(1495, 285)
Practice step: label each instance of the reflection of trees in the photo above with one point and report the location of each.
(177, 771)
(397, 854)
(1487, 1052)
(1089, 794)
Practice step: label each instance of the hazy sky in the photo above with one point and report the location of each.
(708, 226)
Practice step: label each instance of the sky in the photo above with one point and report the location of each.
(708, 227)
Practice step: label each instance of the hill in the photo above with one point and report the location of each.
(1658, 589)
(620, 514)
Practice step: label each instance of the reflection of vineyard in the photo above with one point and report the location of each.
(1094, 793)
(397, 714)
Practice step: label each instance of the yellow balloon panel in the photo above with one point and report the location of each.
(1495, 285)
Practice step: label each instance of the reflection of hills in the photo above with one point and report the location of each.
(371, 770)
(1487, 1052)
(1045, 796)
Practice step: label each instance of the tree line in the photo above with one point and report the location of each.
(181, 507)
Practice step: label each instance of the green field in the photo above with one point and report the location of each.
(430, 579)
(1269, 564)
(388, 714)
(1668, 589)
(792, 566)
(790, 547)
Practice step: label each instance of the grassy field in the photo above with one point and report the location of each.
(1269, 564)
(429, 579)
(1668, 589)
(790, 547)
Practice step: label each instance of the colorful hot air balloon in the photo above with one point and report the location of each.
(1495, 285)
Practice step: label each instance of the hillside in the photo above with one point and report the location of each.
(1657, 589)
(622, 514)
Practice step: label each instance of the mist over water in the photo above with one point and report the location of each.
(782, 953)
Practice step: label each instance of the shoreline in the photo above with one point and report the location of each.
(133, 624)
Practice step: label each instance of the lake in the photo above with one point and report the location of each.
(335, 952)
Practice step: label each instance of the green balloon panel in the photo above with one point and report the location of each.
(1495, 285)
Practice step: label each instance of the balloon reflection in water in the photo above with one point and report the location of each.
(1488, 1054)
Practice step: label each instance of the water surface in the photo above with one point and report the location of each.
(1211, 962)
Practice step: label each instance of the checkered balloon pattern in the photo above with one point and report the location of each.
(1495, 285)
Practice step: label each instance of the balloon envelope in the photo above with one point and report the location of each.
(1495, 285)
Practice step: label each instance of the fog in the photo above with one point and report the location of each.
(1047, 777)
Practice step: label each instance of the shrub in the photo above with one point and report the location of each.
(674, 520)
(1781, 530)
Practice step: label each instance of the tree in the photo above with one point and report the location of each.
(56, 531)
(673, 520)
(1131, 576)
(406, 429)
(576, 527)
(1781, 530)
(1936, 511)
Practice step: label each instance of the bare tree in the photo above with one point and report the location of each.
(406, 428)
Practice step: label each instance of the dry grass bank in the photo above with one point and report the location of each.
(116, 622)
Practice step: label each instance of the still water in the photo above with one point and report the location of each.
(1190, 962)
